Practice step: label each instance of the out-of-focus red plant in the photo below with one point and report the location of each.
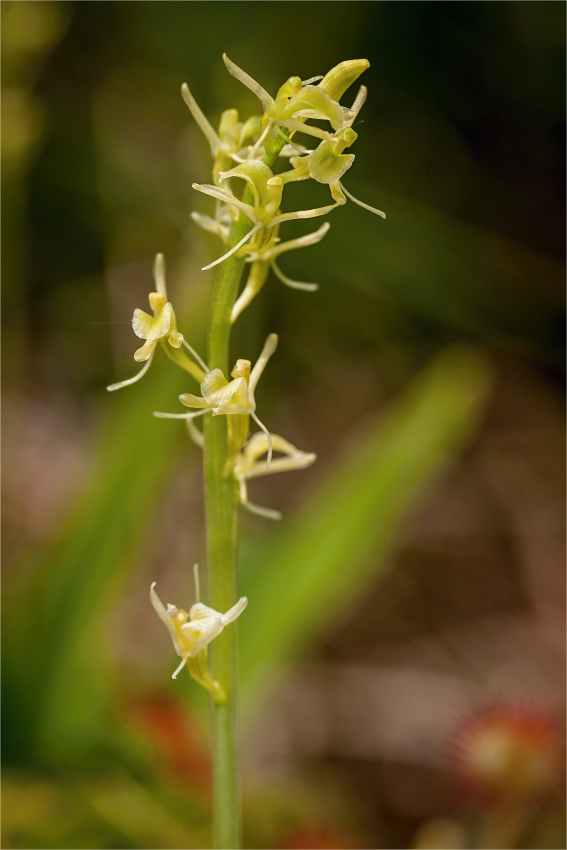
(510, 753)
(316, 835)
(171, 730)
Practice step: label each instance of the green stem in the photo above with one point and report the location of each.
(221, 505)
(222, 561)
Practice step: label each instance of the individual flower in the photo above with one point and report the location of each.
(297, 101)
(162, 328)
(229, 144)
(236, 397)
(265, 259)
(328, 163)
(192, 632)
(266, 189)
(248, 466)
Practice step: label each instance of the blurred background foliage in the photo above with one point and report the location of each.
(416, 576)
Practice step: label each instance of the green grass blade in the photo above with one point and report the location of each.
(53, 632)
(318, 563)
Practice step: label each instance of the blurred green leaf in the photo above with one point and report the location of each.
(53, 631)
(314, 567)
(140, 816)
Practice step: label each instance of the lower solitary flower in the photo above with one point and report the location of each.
(192, 632)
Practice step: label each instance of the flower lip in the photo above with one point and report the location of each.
(148, 327)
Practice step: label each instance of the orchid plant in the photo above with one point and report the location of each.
(248, 225)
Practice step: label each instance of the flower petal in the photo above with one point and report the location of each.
(361, 203)
(152, 327)
(325, 166)
(190, 400)
(343, 75)
(199, 611)
(315, 102)
(118, 386)
(212, 382)
(159, 275)
(200, 633)
(293, 284)
(226, 198)
(201, 119)
(234, 248)
(269, 347)
(300, 242)
(249, 82)
(235, 611)
(199, 670)
(164, 617)
(303, 214)
(146, 351)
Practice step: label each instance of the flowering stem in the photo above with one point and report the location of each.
(221, 499)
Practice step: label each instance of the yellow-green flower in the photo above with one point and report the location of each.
(327, 164)
(266, 190)
(236, 397)
(162, 328)
(229, 144)
(297, 101)
(192, 632)
(265, 258)
(248, 466)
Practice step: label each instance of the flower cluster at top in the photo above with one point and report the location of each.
(247, 150)
(242, 150)
(249, 227)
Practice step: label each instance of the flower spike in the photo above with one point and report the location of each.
(296, 103)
